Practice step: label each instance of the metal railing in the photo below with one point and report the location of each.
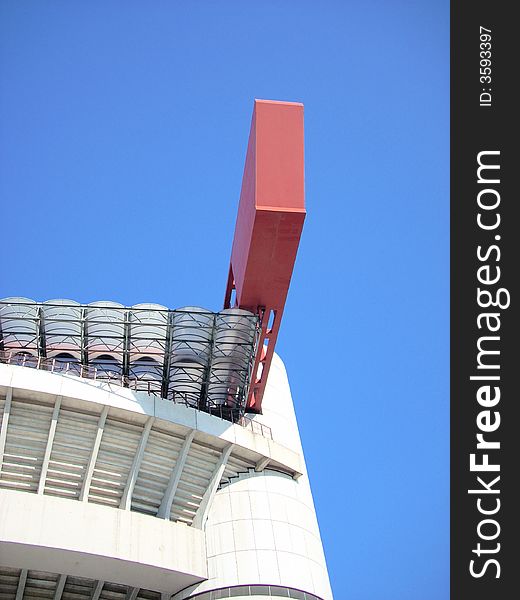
(150, 387)
(204, 358)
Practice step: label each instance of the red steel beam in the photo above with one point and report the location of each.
(269, 225)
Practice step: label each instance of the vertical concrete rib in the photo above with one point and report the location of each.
(132, 593)
(5, 424)
(96, 591)
(169, 494)
(202, 512)
(21, 585)
(126, 499)
(59, 588)
(85, 488)
(48, 448)
(262, 464)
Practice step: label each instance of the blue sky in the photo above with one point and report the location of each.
(123, 130)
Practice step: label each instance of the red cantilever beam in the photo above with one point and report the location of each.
(269, 225)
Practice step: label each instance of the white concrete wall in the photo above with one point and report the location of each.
(99, 542)
(262, 528)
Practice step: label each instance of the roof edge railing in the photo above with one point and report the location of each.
(189, 355)
(53, 365)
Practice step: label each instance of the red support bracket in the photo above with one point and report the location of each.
(269, 226)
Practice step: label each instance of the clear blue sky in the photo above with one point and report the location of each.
(123, 130)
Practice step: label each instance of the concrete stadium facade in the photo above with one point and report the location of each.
(249, 521)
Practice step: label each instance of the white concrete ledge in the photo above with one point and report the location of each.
(88, 540)
(36, 384)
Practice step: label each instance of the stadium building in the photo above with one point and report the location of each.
(150, 453)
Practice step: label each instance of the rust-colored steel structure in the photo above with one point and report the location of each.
(269, 225)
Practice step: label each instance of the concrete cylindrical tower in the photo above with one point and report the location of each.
(262, 526)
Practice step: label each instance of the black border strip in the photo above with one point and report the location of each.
(483, 123)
